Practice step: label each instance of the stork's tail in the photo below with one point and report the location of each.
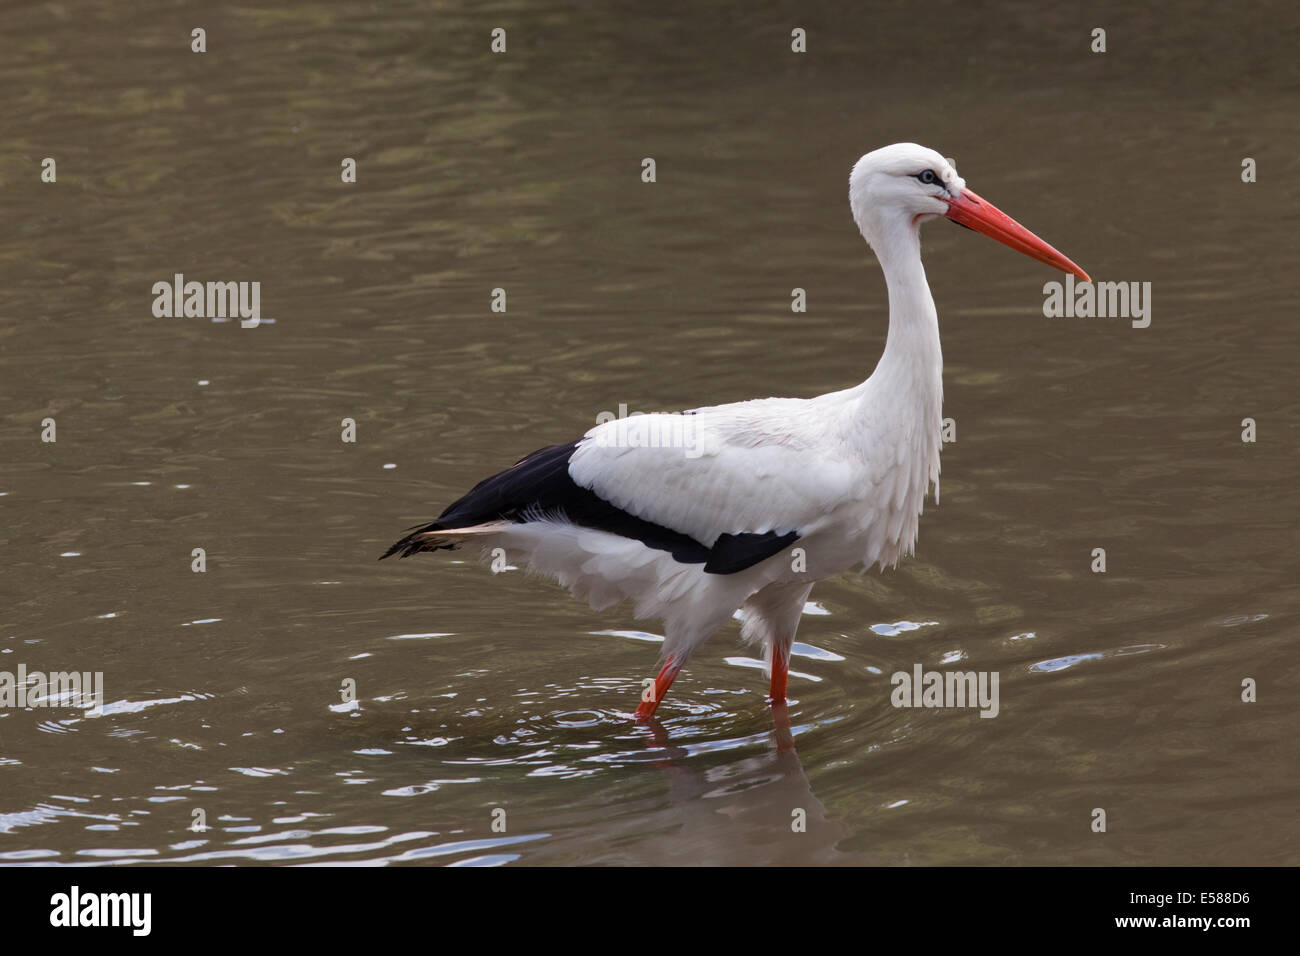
(437, 537)
(496, 503)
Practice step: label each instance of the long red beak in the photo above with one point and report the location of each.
(974, 212)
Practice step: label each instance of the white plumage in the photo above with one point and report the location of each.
(745, 506)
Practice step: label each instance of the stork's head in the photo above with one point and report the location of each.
(894, 189)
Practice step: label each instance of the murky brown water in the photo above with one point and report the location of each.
(479, 691)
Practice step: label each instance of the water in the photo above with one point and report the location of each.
(481, 693)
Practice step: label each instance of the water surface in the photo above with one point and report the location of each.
(480, 692)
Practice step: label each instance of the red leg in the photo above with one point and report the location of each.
(780, 674)
(665, 679)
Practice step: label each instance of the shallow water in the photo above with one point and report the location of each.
(481, 692)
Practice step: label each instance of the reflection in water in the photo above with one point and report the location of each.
(753, 809)
(759, 809)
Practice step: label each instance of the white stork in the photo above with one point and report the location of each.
(694, 529)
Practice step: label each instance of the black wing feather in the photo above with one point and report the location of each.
(539, 485)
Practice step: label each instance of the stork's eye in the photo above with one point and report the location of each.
(927, 176)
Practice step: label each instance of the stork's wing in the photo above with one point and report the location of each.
(750, 469)
(727, 487)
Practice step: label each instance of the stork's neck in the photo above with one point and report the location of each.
(900, 407)
(911, 368)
